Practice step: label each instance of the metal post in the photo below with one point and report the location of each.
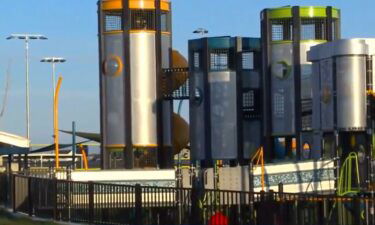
(13, 191)
(27, 89)
(138, 204)
(91, 202)
(54, 194)
(53, 80)
(281, 190)
(297, 77)
(53, 97)
(29, 196)
(74, 147)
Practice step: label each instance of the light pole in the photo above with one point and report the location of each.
(27, 38)
(53, 61)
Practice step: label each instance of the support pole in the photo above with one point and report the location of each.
(74, 147)
(56, 123)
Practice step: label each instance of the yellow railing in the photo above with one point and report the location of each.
(259, 158)
(346, 173)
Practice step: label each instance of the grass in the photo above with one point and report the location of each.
(7, 218)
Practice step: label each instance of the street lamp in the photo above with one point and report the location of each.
(26, 38)
(53, 61)
(201, 31)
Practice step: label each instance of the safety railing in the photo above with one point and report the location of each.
(101, 203)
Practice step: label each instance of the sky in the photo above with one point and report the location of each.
(71, 26)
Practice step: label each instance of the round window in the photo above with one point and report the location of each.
(112, 66)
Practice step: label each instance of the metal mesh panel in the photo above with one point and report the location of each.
(281, 29)
(196, 60)
(219, 59)
(279, 104)
(251, 103)
(248, 60)
(176, 84)
(248, 99)
(113, 21)
(142, 19)
(313, 29)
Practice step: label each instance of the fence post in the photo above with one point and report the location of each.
(251, 177)
(30, 196)
(54, 194)
(138, 204)
(281, 203)
(13, 192)
(91, 202)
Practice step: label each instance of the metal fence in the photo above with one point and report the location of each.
(100, 203)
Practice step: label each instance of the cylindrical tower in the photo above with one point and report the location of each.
(343, 100)
(287, 35)
(135, 45)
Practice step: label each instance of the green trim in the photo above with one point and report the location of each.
(115, 149)
(281, 42)
(302, 41)
(305, 12)
(314, 41)
(280, 13)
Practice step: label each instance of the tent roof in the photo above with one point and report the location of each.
(7, 140)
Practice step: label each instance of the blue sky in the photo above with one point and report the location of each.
(71, 26)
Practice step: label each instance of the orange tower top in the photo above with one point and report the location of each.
(135, 4)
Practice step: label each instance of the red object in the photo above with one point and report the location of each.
(218, 219)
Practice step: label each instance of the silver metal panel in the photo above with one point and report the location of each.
(223, 96)
(167, 107)
(317, 145)
(325, 95)
(143, 89)
(197, 112)
(371, 51)
(167, 123)
(114, 86)
(306, 70)
(252, 129)
(316, 125)
(252, 139)
(337, 48)
(351, 92)
(165, 49)
(282, 90)
(250, 79)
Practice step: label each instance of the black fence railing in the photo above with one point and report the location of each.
(101, 203)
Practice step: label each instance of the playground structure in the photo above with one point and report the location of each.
(290, 110)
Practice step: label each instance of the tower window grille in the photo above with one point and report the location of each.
(248, 100)
(281, 29)
(219, 59)
(142, 19)
(196, 60)
(113, 21)
(313, 29)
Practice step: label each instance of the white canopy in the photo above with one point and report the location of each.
(7, 139)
